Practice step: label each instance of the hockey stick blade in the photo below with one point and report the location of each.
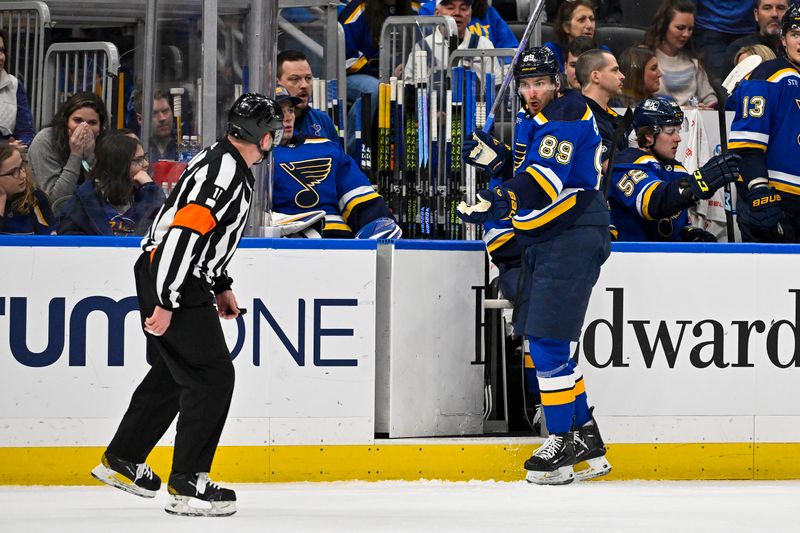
(745, 67)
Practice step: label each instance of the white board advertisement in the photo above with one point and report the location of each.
(73, 351)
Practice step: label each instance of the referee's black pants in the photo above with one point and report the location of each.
(191, 373)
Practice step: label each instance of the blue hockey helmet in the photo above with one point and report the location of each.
(791, 19)
(252, 115)
(657, 112)
(536, 61)
(380, 228)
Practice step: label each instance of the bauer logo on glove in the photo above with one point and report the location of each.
(771, 199)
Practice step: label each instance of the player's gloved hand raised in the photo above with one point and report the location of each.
(692, 234)
(717, 171)
(484, 151)
(494, 204)
(763, 209)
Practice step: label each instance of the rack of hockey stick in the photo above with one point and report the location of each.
(409, 148)
(474, 78)
(431, 95)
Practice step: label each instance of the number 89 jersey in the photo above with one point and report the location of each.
(766, 127)
(556, 166)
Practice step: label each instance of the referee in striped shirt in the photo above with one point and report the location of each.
(180, 277)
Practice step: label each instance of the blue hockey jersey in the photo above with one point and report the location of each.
(643, 208)
(316, 123)
(765, 128)
(361, 52)
(557, 167)
(38, 221)
(312, 174)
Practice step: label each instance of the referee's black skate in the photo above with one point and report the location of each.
(551, 463)
(136, 478)
(196, 495)
(589, 448)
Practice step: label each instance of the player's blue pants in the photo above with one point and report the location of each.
(557, 280)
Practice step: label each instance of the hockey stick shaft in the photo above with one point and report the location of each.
(619, 131)
(726, 191)
(523, 42)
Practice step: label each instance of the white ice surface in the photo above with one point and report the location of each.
(625, 506)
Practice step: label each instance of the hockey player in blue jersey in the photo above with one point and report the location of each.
(650, 191)
(560, 216)
(765, 133)
(311, 174)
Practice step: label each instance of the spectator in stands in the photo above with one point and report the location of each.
(578, 46)
(485, 21)
(362, 21)
(754, 50)
(574, 19)
(604, 10)
(768, 14)
(719, 23)
(163, 139)
(435, 45)
(16, 121)
(670, 37)
(642, 76)
(600, 79)
(62, 154)
(312, 174)
(24, 209)
(294, 73)
(119, 197)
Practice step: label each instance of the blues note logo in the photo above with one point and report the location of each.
(308, 174)
(121, 225)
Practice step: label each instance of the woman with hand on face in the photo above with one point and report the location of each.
(670, 38)
(16, 121)
(119, 197)
(24, 209)
(62, 154)
(642, 76)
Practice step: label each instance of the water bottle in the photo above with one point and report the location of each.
(195, 144)
(184, 150)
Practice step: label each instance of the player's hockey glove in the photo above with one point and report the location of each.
(484, 151)
(718, 171)
(763, 209)
(495, 204)
(692, 234)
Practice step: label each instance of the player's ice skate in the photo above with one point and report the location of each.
(551, 463)
(138, 479)
(196, 495)
(589, 449)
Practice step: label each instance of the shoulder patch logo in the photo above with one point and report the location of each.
(308, 173)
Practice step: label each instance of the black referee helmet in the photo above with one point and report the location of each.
(252, 115)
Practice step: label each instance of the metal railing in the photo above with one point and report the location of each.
(26, 23)
(74, 67)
